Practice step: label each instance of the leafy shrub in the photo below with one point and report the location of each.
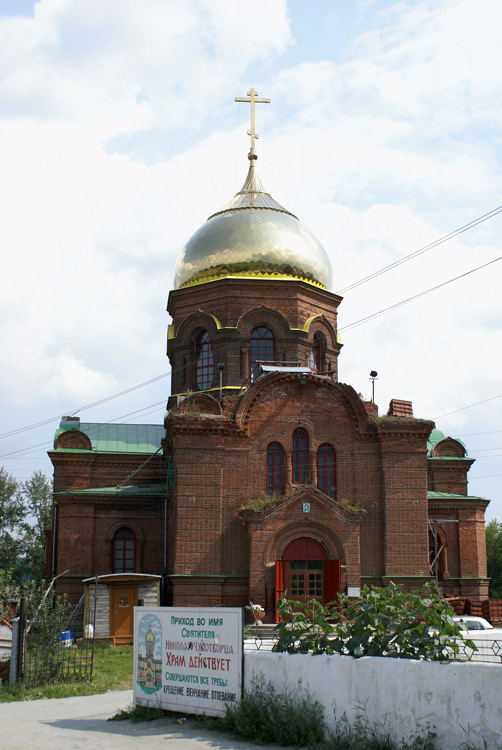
(380, 622)
(305, 627)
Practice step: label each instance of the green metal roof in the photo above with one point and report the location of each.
(435, 437)
(452, 496)
(451, 458)
(159, 488)
(117, 438)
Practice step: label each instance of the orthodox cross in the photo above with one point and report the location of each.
(252, 98)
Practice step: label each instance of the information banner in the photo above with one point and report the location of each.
(188, 659)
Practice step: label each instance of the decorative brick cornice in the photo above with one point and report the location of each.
(391, 427)
(201, 423)
(474, 503)
(134, 505)
(449, 464)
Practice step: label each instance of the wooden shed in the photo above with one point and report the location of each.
(110, 601)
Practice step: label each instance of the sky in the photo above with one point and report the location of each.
(119, 136)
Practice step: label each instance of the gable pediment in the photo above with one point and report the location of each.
(261, 510)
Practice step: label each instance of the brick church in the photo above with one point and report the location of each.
(268, 475)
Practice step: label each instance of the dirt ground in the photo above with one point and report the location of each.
(74, 723)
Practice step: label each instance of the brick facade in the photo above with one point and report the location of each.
(197, 502)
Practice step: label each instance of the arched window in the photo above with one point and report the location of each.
(262, 348)
(315, 356)
(204, 368)
(326, 469)
(275, 469)
(124, 551)
(300, 456)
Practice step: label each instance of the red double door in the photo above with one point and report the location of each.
(305, 572)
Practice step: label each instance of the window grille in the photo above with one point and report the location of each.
(315, 354)
(262, 349)
(326, 470)
(204, 365)
(275, 469)
(124, 551)
(300, 456)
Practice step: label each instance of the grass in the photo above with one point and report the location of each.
(269, 717)
(262, 501)
(113, 670)
(292, 717)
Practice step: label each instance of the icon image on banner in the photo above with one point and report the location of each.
(150, 654)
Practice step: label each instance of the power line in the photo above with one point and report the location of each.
(110, 421)
(24, 450)
(487, 450)
(356, 323)
(88, 406)
(478, 403)
(416, 296)
(489, 432)
(471, 224)
(424, 249)
(137, 411)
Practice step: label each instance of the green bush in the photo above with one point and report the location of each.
(380, 622)
(305, 627)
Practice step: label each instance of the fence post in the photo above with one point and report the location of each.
(13, 652)
(17, 648)
(20, 641)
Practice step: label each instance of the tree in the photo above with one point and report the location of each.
(25, 514)
(494, 557)
(37, 494)
(12, 515)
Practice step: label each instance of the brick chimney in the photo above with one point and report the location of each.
(398, 408)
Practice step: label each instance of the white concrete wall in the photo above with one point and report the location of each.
(462, 702)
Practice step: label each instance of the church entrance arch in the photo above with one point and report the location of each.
(305, 572)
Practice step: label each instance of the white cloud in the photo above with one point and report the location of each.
(119, 67)
(118, 138)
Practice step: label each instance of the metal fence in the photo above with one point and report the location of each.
(489, 650)
(58, 646)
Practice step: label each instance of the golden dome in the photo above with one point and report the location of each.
(253, 236)
(150, 637)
